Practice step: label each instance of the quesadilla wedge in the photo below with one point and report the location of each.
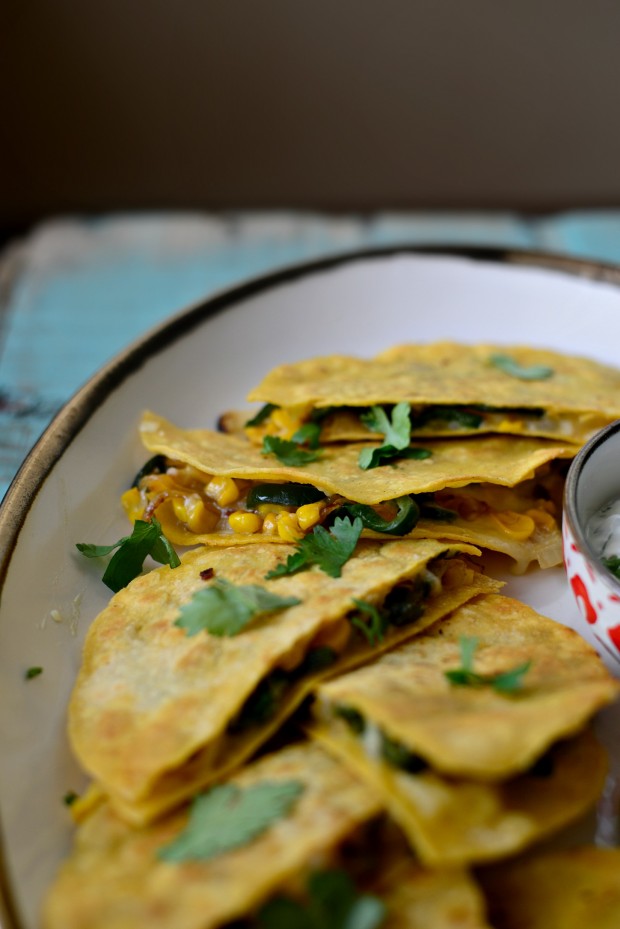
(419, 898)
(119, 877)
(572, 888)
(405, 896)
(451, 388)
(454, 821)
(454, 718)
(501, 493)
(160, 709)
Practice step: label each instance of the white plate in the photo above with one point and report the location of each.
(202, 362)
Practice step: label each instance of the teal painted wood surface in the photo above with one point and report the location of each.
(75, 292)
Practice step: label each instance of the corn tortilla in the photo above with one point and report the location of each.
(453, 463)
(114, 879)
(572, 889)
(475, 732)
(577, 399)
(454, 821)
(151, 712)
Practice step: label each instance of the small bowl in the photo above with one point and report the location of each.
(593, 480)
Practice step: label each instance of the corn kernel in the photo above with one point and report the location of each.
(264, 508)
(288, 527)
(309, 514)
(243, 522)
(133, 503)
(518, 526)
(199, 518)
(542, 519)
(180, 510)
(223, 490)
(284, 423)
(270, 523)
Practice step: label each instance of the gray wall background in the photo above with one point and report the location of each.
(327, 104)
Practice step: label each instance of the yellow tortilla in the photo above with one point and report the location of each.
(419, 898)
(453, 821)
(453, 463)
(476, 732)
(114, 879)
(520, 522)
(152, 707)
(578, 398)
(577, 888)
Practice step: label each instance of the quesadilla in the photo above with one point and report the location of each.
(161, 709)
(572, 889)
(332, 844)
(475, 757)
(501, 493)
(117, 878)
(471, 730)
(451, 389)
(453, 821)
(419, 898)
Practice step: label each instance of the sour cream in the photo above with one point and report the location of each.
(603, 529)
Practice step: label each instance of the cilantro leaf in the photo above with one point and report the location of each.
(146, 539)
(510, 366)
(505, 682)
(224, 609)
(32, 672)
(375, 456)
(308, 434)
(397, 430)
(295, 562)
(329, 550)
(333, 903)
(288, 453)
(228, 817)
(374, 629)
(396, 436)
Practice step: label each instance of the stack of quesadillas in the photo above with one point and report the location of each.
(325, 715)
(466, 443)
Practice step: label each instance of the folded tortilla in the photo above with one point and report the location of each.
(114, 878)
(420, 898)
(476, 732)
(495, 501)
(156, 714)
(537, 392)
(454, 821)
(571, 888)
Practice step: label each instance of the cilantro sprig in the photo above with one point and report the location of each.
(130, 553)
(333, 902)
(329, 550)
(396, 437)
(396, 430)
(228, 817)
(289, 452)
(225, 609)
(505, 682)
(510, 366)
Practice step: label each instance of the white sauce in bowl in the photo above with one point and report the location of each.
(603, 529)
